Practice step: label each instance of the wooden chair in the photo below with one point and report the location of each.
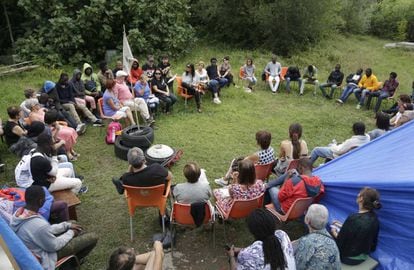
(297, 209)
(181, 215)
(239, 209)
(141, 197)
(182, 91)
(263, 171)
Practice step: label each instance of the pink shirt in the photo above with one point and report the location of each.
(122, 92)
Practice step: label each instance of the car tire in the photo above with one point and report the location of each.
(120, 149)
(134, 137)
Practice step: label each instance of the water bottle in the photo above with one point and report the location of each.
(113, 134)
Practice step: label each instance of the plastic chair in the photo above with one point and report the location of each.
(181, 215)
(100, 109)
(297, 209)
(293, 164)
(182, 91)
(241, 75)
(263, 171)
(283, 73)
(240, 209)
(61, 262)
(141, 197)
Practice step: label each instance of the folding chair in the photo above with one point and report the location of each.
(141, 197)
(240, 209)
(181, 91)
(181, 215)
(263, 171)
(297, 209)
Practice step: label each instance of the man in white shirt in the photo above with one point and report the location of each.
(273, 69)
(335, 150)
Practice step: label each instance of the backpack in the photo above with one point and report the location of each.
(111, 131)
(22, 173)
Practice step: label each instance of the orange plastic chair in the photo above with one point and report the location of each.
(71, 258)
(181, 91)
(297, 209)
(181, 215)
(263, 171)
(142, 197)
(283, 73)
(240, 209)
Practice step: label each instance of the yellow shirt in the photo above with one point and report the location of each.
(370, 83)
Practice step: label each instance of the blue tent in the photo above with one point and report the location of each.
(385, 164)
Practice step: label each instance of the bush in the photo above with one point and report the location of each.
(356, 15)
(394, 19)
(283, 26)
(70, 31)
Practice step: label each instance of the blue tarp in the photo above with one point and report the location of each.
(386, 164)
(21, 254)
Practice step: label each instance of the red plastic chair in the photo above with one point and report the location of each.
(141, 197)
(263, 171)
(181, 215)
(297, 209)
(283, 73)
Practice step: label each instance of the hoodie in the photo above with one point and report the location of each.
(92, 77)
(40, 237)
(77, 85)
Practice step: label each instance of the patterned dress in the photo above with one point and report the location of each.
(266, 156)
(252, 257)
(239, 192)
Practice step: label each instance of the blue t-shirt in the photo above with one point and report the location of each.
(139, 86)
(107, 110)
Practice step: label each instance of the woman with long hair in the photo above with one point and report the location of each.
(271, 250)
(162, 91)
(189, 84)
(358, 236)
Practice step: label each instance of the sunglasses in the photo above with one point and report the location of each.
(157, 73)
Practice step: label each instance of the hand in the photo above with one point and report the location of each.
(158, 245)
(231, 252)
(76, 228)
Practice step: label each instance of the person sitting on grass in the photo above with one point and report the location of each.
(358, 236)
(141, 175)
(202, 80)
(335, 150)
(197, 188)
(124, 95)
(48, 242)
(244, 186)
(264, 156)
(292, 75)
(30, 96)
(142, 90)
(310, 76)
(225, 71)
(271, 248)
(317, 250)
(162, 91)
(272, 70)
(124, 258)
(296, 184)
(383, 125)
(388, 89)
(352, 81)
(294, 148)
(248, 74)
(13, 129)
(191, 87)
(334, 80)
(366, 86)
(112, 107)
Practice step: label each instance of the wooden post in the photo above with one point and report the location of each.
(8, 24)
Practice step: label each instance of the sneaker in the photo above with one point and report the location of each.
(247, 90)
(300, 94)
(221, 182)
(81, 129)
(98, 123)
(118, 185)
(339, 101)
(150, 121)
(216, 101)
(358, 106)
(83, 190)
(199, 110)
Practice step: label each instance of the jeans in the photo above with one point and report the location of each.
(168, 100)
(307, 81)
(252, 81)
(275, 86)
(347, 91)
(213, 85)
(272, 190)
(360, 94)
(324, 152)
(288, 80)
(222, 82)
(381, 95)
(331, 85)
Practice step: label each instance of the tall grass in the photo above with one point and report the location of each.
(215, 136)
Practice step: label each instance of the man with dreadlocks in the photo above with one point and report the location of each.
(271, 250)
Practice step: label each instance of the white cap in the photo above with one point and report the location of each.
(121, 73)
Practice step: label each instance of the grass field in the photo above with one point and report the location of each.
(214, 137)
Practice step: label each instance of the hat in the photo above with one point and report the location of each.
(35, 129)
(48, 86)
(121, 73)
(135, 155)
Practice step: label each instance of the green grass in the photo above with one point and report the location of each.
(214, 137)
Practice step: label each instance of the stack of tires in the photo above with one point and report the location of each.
(133, 136)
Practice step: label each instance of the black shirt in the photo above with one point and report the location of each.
(152, 175)
(161, 85)
(358, 235)
(11, 138)
(293, 73)
(40, 167)
(212, 72)
(148, 70)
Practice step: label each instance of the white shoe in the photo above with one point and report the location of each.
(81, 128)
(339, 101)
(247, 90)
(216, 101)
(358, 106)
(221, 182)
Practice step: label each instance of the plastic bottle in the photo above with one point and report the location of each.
(113, 134)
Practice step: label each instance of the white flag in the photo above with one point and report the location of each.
(126, 54)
